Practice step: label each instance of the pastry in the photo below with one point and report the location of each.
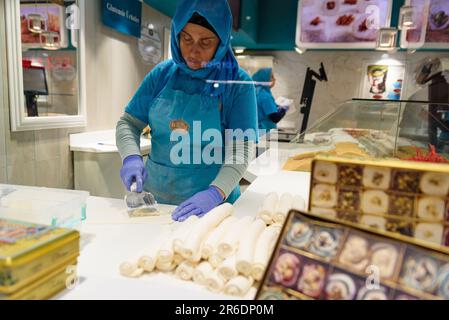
(355, 253)
(272, 294)
(324, 195)
(330, 7)
(326, 212)
(299, 234)
(401, 205)
(286, 269)
(420, 272)
(312, 280)
(384, 256)
(326, 172)
(430, 232)
(304, 165)
(340, 287)
(431, 208)
(400, 226)
(372, 294)
(406, 181)
(325, 242)
(375, 222)
(348, 216)
(375, 202)
(376, 177)
(350, 175)
(362, 28)
(443, 280)
(349, 200)
(435, 184)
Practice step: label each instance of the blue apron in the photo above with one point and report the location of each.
(174, 109)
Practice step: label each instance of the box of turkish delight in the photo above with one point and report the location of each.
(316, 258)
(405, 197)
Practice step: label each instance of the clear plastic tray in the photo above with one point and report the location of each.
(54, 207)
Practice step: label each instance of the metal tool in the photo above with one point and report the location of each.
(140, 204)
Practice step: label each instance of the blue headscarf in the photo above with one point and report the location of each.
(263, 75)
(223, 66)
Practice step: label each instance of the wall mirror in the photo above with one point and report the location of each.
(46, 64)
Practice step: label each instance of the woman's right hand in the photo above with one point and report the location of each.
(133, 169)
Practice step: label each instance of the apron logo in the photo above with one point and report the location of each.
(179, 126)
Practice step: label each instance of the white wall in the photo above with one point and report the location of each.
(114, 67)
(114, 72)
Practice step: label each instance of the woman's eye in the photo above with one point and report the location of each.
(206, 43)
(186, 38)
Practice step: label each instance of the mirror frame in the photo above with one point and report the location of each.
(19, 120)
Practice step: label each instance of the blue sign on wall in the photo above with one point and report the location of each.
(123, 15)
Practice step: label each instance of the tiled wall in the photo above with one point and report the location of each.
(114, 72)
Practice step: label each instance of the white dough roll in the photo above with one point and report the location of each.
(181, 233)
(227, 269)
(238, 286)
(264, 248)
(247, 247)
(130, 269)
(185, 270)
(165, 266)
(214, 282)
(201, 272)
(284, 206)
(203, 227)
(230, 241)
(269, 207)
(211, 243)
(215, 260)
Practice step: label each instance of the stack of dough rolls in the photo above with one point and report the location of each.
(223, 253)
(263, 251)
(275, 209)
(245, 254)
(192, 246)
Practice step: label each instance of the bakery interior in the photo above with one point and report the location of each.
(351, 184)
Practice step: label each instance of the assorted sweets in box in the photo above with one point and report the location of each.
(30, 252)
(316, 258)
(405, 197)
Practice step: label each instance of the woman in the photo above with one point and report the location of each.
(179, 103)
(269, 114)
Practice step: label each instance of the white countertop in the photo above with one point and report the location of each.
(101, 142)
(109, 237)
(272, 160)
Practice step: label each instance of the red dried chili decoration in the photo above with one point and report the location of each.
(432, 156)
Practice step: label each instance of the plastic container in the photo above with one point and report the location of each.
(53, 207)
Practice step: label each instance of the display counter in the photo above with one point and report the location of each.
(109, 237)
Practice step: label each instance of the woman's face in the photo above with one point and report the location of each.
(273, 80)
(198, 45)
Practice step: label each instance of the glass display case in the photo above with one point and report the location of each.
(382, 129)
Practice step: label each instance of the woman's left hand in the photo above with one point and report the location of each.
(199, 204)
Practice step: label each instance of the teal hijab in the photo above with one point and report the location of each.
(224, 65)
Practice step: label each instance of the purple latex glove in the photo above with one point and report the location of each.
(199, 204)
(286, 108)
(133, 169)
